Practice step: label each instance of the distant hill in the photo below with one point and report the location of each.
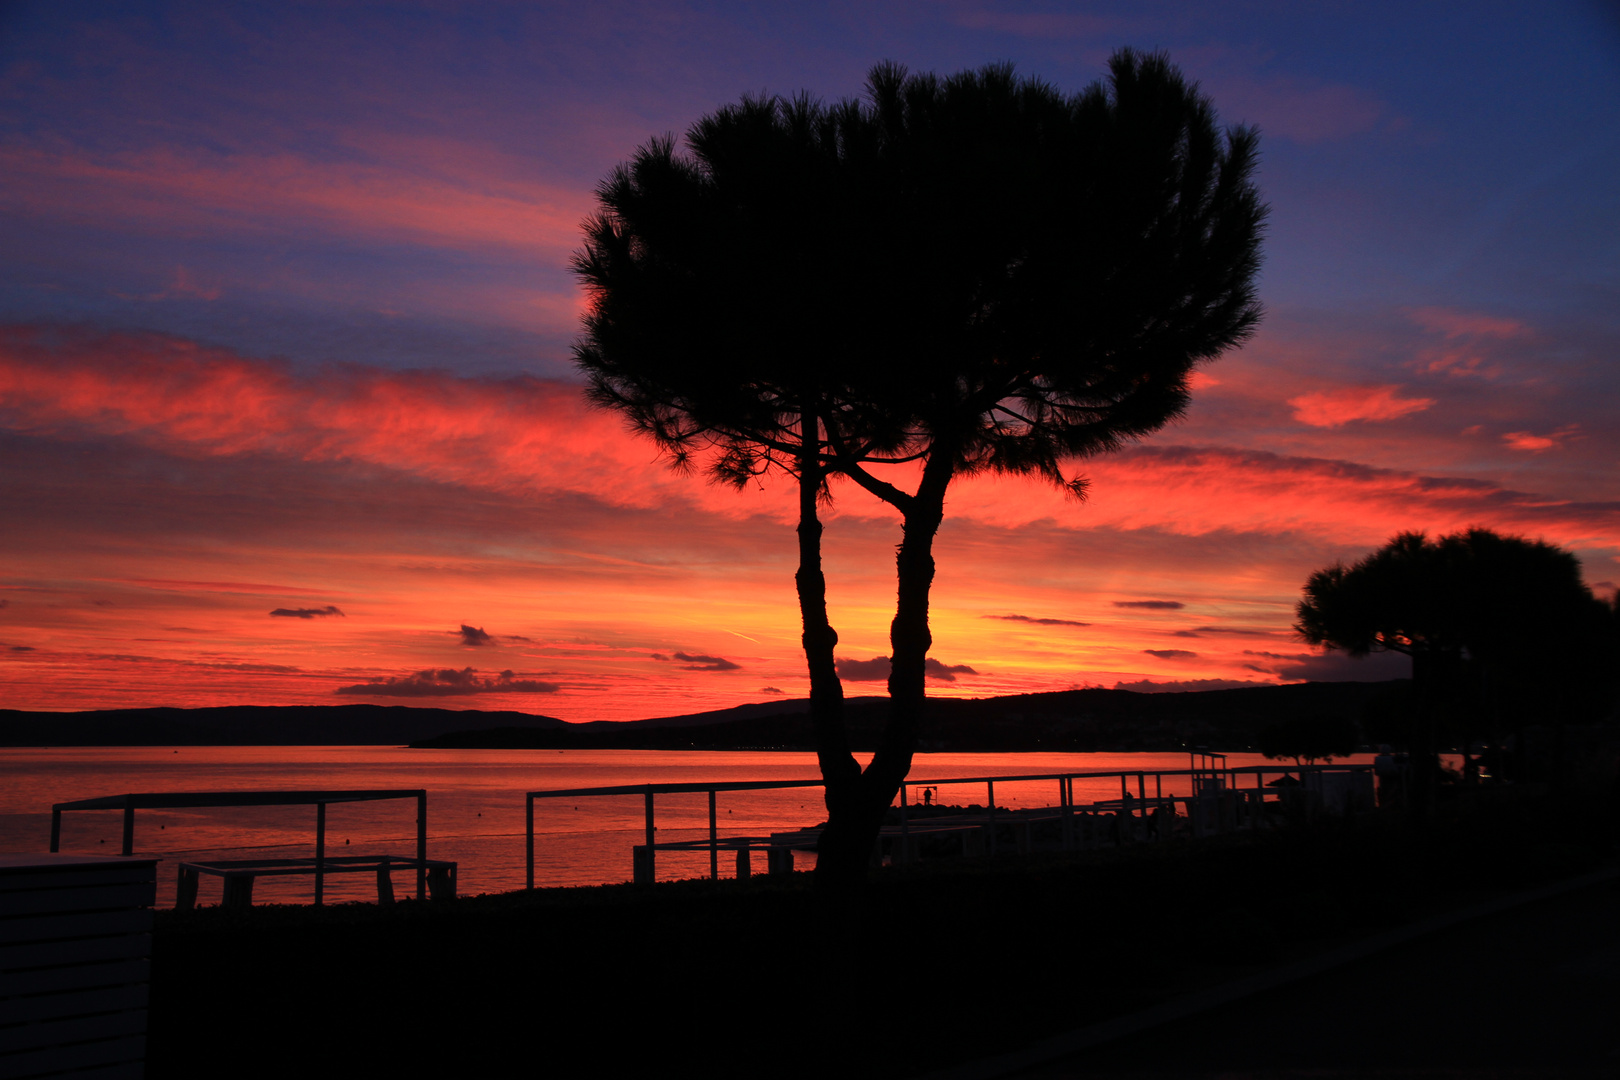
(1064, 720)
(254, 725)
(1068, 720)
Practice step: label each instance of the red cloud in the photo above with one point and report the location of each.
(1197, 491)
(517, 434)
(1333, 408)
(527, 437)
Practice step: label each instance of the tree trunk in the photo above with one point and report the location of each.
(840, 773)
(854, 824)
(1433, 683)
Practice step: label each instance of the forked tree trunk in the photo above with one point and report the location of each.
(855, 813)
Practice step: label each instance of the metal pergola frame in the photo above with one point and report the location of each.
(172, 800)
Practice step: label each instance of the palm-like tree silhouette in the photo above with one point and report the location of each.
(969, 274)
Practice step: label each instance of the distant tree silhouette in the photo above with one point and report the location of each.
(1310, 738)
(957, 276)
(1492, 623)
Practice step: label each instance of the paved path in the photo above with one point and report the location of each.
(1529, 993)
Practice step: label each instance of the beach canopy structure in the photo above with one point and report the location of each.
(241, 872)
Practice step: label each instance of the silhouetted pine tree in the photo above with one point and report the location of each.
(969, 274)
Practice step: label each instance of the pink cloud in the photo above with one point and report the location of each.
(183, 285)
(1456, 324)
(1038, 24)
(1302, 110)
(177, 192)
(1333, 408)
(1470, 338)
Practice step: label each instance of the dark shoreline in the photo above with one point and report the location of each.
(1067, 720)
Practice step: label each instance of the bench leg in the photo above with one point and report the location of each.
(441, 885)
(238, 891)
(185, 892)
(641, 865)
(779, 860)
(744, 866)
(385, 886)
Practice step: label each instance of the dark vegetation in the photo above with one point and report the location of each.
(1506, 642)
(964, 275)
(771, 977)
(1310, 737)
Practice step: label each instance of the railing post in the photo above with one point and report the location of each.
(990, 813)
(528, 833)
(421, 845)
(129, 829)
(905, 828)
(56, 828)
(714, 839)
(1068, 813)
(651, 854)
(320, 854)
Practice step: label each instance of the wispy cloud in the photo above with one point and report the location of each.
(447, 682)
(704, 662)
(1035, 621)
(166, 189)
(1151, 605)
(1172, 654)
(306, 612)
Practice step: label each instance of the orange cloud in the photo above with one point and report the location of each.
(1524, 440)
(1333, 408)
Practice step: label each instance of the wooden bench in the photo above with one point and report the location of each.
(239, 875)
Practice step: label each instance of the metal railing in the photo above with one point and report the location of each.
(1205, 776)
(171, 800)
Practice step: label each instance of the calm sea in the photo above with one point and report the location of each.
(475, 805)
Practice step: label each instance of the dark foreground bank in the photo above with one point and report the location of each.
(923, 970)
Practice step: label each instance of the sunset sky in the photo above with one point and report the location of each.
(288, 416)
